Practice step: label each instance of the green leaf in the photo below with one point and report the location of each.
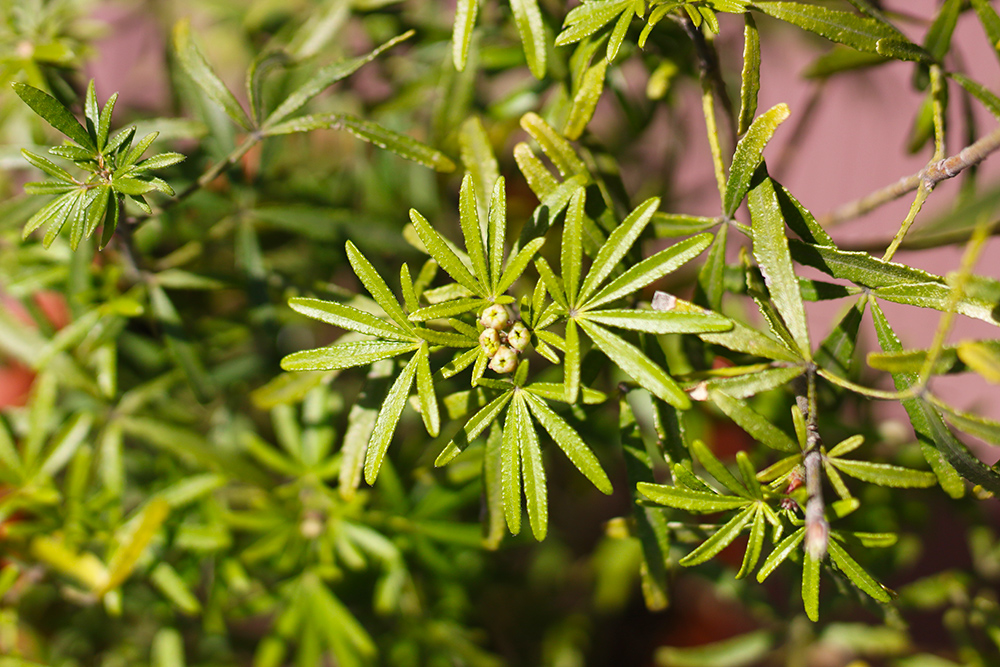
(990, 20)
(132, 546)
(926, 422)
(570, 442)
(748, 156)
(862, 33)
(637, 365)
(571, 362)
(438, 248)
(346, 355)
(750, 79)
(510, 468)
(472, 229)
(754, 545)
(619, 242)
(194, 63)
(654, 321)
(571, 251)
(175, 589)
(810, 586)
(856, 573)
(648, 270)
(55, 114)
(689, 500)
(49, 167)
(979, 91)
(535, 492)
(528, 18)
(719, 540)
(717, 470)
(842, 59)
(400, 144)
(771, 249)
(755, 381)
(884, 474)
(585, 100)
(985, 429)
(360, 426)
(753, 422)
(517, 264)
(982, 357)
(465, 21)
(66, 443)
(476, 425)
(376, 286)
(937, 41)
(479, 160)
(555, 147)
(388, 418)
(425, 391)
(668, 225)
(326, 77)
(618, 36)
(346, 317)
(780, 553)
(740, 651)
(589, 17)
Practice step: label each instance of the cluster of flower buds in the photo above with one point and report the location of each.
(501, 340)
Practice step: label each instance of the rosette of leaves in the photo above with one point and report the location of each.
(758, 506)
(582, 301)
(115, 172)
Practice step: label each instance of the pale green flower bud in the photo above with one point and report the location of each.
(494, 317)
(518, 337)
(489, 340)
(504, 361)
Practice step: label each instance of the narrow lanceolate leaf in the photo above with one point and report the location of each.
(780, 553)
(837, 352)
(476, 425)
(54, 113)
(618, 34)
(134, 544)
(496, 230)
(388, 418)
(654, 321)
(570, 442)
(650, 269)
(429, 411)
(402, 145)
(979, 91)
(720, 539)
(571, 361)
(49, 167)
(347, 317)
(856, 573)
(749, 155)
(589, 17)
(472, 231)
(345, 355)
(535, 490)
(585, 101)
(479, 160)
(618, 243)
(555, 147)
(442, 254)
(739, 651)
(985, 429)
(938, 38)
(194, 63)
(753, 422)
(982, 358)
(528, 18)
(858, 267)
(750, 81)
(373, 282)
(637, 365)
(517, 264)
(712, 274)
(755, 381)
(770, 248)
(325, 77)
(754, 545)
(926, 422)
(716, 469)
(884, 474)
(690, 500)
(862, 33)
(510, 470)
(461, 35)
(571, 252)
(990, 20)
(810, 586)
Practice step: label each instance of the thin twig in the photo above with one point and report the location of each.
(929, 176)
(817, 528)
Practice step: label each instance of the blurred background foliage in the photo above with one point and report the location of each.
(167, 498)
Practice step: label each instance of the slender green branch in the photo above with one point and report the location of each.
(868, 391)
(928, 177)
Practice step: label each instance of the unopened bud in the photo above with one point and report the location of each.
(494, 317)
(518, 337)
(504, 361)
(489, 340)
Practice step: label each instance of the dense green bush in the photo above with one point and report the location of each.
(199, 475)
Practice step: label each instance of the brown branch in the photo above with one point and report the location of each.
(927, 177)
